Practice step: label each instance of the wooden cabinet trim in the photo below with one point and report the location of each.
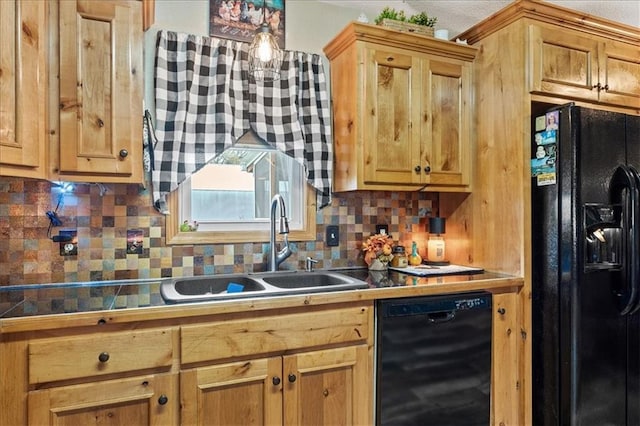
(148, 14)
(560, 16)
(408, 42)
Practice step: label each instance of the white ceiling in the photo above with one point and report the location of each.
(459, 15)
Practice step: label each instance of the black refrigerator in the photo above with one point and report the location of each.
(585, 267)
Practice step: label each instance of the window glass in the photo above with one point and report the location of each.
(234, 191)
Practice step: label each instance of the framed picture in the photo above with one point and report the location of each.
(239, 19)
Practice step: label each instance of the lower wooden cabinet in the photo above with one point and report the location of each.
(143, 400)
(296, 368)
(324, 387)
(328, 387)
(284, 366)
(304, 365)
(236, 393)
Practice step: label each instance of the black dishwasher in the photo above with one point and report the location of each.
(434, 360)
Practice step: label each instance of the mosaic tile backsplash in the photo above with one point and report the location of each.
(103, 215)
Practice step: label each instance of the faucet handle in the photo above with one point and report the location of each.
(309, 264)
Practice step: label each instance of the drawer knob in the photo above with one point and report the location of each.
(292, 378)
(123, 153)
(103, 357)
(163, 399)
(275, 380)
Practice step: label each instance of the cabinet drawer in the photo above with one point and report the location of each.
(98, 354)
(274, 333)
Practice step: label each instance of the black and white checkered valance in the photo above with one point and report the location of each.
(205, 102)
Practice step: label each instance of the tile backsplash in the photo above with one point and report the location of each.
(104, 219)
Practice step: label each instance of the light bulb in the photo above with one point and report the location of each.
(265, 52)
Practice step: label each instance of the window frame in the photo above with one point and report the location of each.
(173, 235)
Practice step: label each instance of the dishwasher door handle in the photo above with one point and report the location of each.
(439, 317)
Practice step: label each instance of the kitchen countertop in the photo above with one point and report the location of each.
(24, 307)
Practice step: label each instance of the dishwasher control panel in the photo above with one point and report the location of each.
(433, 304)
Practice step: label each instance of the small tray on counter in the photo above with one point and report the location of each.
(428, 270)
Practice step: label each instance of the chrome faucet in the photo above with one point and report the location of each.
(276, 259)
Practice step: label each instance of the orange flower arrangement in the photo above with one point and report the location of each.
(378, 246)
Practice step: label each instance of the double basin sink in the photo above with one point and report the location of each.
(235, 286)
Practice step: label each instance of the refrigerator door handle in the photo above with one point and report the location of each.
(624, 189)
(635, 255)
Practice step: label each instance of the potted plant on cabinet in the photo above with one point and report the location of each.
(419, 23)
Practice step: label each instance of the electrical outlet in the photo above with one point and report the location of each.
(382, 229)
(333, 235)
(134, 241)
(69, 247)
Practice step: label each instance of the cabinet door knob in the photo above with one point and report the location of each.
(427, 169)
(103, 357)
(123, 153)
(292, 378)
(275, 380)
(163, 399)
(417, 169)
(501, 311)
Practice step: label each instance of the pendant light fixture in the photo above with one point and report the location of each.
(265, 57)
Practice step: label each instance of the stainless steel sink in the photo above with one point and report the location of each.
(210, 287)
(219, 287)
(310, 280)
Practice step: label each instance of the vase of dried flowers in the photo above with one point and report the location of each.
(377, 251)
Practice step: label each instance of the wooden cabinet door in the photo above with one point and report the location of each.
(145, 400)
(328, 387)
(101, 89)
(446, 96)
(239, 393)
(390, 140)
(563, 63)
(619, 76)
(23, 32)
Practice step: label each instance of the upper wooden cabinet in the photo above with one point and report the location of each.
(100, 90)
(71, 90)
(23, 88)
(402, 108)
(568, 63)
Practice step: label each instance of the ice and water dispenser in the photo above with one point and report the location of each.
(603, 239)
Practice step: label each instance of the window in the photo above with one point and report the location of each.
(230, 198)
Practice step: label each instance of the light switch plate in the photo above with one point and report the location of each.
(333, 235)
